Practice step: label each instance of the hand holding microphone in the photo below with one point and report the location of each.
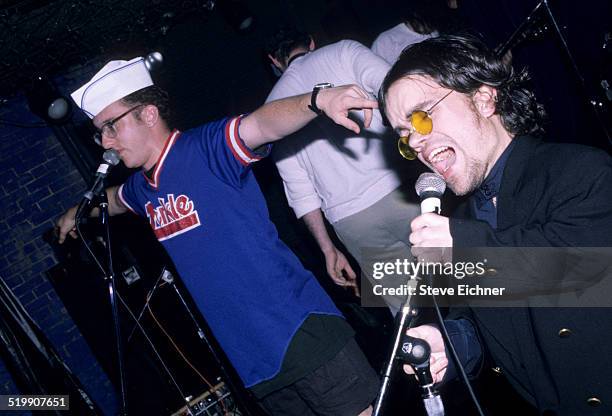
(430, 230)
(66, 223)
(437, 362)
(420, 357)
(422, 347)
(430, 188)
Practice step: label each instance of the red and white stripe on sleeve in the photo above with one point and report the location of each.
(240, 150)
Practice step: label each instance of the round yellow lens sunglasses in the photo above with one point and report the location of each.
(421, 122)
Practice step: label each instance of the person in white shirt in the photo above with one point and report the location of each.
(326, 171)
(421, 19)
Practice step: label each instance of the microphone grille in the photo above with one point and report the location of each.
(430, 182)
(111, 157)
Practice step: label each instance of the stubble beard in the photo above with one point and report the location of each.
(473, 179)
(476, 169)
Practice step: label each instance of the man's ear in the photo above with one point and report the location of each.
(484, 100)
(150, 115)
(275, 62)
(311, 46)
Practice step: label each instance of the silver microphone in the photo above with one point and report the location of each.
(430, 187)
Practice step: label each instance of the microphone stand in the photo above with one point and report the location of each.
(169, 278)
(429, 187)
(110, 278)
(407, 314)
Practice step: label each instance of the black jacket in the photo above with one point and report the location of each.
(552, 195)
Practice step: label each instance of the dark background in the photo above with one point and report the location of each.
(211, 70)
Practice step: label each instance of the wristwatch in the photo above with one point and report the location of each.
(313, 97)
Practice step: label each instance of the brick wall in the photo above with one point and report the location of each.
(37, 183)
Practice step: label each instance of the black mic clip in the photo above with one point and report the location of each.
(85, 201)
(110, 159)
(416, 352)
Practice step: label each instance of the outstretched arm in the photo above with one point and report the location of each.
(279, 118)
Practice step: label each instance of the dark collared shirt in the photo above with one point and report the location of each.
(482, 199)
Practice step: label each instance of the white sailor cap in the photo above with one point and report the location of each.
(114, 81)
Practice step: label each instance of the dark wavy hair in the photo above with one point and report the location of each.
(152, 95)
(284, 40)
(463, 63)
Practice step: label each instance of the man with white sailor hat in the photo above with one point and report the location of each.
(198, 192)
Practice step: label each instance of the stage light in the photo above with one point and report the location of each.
(46, 102)
(153, 61)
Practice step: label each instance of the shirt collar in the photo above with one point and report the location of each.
(489, 188)
(152, 175)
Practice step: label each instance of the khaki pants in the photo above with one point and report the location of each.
(381, 228)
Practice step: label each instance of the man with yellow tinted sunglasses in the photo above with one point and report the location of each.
(471, 118)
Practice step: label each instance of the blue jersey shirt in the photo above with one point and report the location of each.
(206, 208)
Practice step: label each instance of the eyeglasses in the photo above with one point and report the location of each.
(421, 122)
(108, 129)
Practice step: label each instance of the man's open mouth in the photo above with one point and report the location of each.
(441, 159)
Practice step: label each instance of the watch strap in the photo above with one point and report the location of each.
(313, 97)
